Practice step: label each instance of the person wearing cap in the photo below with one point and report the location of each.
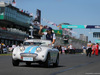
(49, 34)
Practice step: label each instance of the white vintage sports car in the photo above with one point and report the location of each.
(35, 51)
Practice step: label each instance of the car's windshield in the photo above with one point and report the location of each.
(35, 43)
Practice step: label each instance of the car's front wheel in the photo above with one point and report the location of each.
(47, 62)
(15, 62)
(57, 61)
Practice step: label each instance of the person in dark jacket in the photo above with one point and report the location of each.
(49, 34)
(60, 49)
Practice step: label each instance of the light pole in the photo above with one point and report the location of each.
(31, 31)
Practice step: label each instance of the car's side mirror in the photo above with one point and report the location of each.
(52, 45)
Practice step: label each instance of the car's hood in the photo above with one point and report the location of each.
(30, 49)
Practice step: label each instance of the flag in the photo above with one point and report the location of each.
(13, 2)
(49, 22)
(54, 24)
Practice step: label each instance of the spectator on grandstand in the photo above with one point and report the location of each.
(26, 38)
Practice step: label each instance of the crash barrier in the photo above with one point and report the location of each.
(78, 50)
(73, 51)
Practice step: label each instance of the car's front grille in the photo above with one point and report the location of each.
(29, 54)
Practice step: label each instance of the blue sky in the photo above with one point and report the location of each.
(75, 12)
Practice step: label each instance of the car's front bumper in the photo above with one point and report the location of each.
(41, 56)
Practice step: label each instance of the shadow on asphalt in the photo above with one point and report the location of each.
(40, 66)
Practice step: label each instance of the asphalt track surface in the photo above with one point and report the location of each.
(70, 64)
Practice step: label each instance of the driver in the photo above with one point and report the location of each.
(49, 34)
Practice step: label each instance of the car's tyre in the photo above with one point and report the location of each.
(28, 63)
(47, 62)
(15, 62)
(57, 62)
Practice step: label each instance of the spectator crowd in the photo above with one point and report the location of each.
(66, 49)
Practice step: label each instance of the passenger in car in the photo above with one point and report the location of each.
(49, 34)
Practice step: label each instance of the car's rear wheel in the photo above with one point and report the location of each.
(15, 62)
(28, 63)
(57, 61)
(47, 62)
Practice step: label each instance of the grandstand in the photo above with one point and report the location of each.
(14, 24)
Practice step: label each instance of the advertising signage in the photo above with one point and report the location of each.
(93, 26)
(82, 26)
(97, 26)
(97, 41)
(90, 26)
(55, 31)
(73, 26)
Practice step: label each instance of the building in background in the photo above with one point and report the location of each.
(83, 37)
(15, 24)
(37, 19)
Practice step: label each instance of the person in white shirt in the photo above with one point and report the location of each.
(89, 49)
(71, 48)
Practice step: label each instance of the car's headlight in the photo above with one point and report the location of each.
(38, 49)
(22, 48)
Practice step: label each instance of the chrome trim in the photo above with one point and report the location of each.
(29, 54)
